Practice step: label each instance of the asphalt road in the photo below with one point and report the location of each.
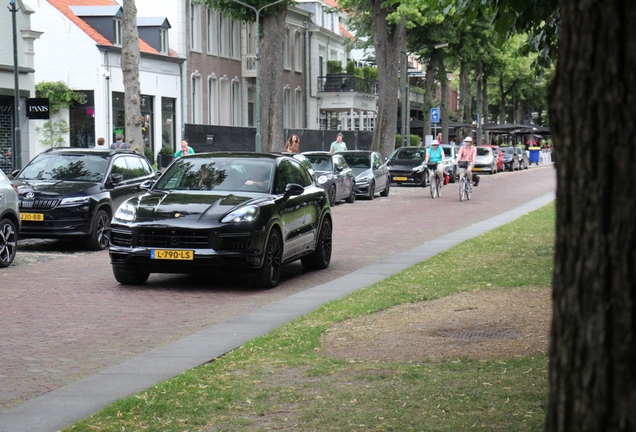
(64, 317)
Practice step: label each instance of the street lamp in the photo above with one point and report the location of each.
(16, 151)
(257, 144)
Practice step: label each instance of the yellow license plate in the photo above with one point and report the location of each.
(172, 254)
(477, 169)
(31, 216)
(400, 178)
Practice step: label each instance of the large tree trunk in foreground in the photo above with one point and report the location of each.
(130, 58)
(593, 120)
(388, 41)
(271, 75)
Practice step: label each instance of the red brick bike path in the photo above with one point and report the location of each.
(64, 317)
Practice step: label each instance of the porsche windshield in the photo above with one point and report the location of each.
(227, 174)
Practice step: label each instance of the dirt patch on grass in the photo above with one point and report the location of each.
(479, 324)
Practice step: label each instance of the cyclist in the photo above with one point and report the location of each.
(468, 153)
(435, 154)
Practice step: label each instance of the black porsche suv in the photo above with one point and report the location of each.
(73, 192)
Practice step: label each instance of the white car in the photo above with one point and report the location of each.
(485, 160)
(9, 221)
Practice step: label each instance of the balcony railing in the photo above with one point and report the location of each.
(345, 83)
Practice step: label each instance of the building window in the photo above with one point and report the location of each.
(195, 94)
(213, 101)
(235, 39)
(195, 26)
(82, 121)
(213, 32)
(236, 103)
(287, 108)
(163, 41)
(117, 32)
(168, 122)
(287, 53)
(251, 92)
(298, 108)
(225, 101)
(224, 32)
(298, 50)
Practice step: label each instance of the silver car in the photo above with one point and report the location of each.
(9, 221)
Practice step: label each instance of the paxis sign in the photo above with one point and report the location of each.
(38, 108)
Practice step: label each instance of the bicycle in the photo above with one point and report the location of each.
(465, 188)
(435, 185)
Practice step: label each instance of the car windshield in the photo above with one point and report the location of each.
(448, 151)
(507, 150)
(223, 174)
(66, 166)
(320, 162)
(357, 160)
(409, 154)
(483, 151)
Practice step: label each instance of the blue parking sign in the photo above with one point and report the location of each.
(434, 115)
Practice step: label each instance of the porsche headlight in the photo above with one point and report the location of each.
(126, 212)
(243, 214)
(322, 179)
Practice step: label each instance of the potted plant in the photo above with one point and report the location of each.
(167, 155)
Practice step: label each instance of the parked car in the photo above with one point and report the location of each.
(9, 221)
(499, 156)
(485, 160)
(524, 159)
(251, 212)
(511, 159)
(372, 175)
(406, 166)
(450, 155)
(73, 192)
(333, 175)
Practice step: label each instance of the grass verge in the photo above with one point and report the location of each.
(281, 381)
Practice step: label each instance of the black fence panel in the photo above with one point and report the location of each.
(205, 138)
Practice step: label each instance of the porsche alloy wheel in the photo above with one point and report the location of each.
(321, 257)
(269, 275)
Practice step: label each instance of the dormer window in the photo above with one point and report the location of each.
(117, 39)
(163, 41)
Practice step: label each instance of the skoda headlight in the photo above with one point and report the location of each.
(74, 201)
(243, 214)
(322, 179)
(126, 212)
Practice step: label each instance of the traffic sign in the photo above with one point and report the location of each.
(434, 115)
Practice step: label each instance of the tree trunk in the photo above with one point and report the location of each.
(502, 101)
(592, 112)
(271, 76)
(130, 58)
(444, 103)
(388, 42)
(484, 99)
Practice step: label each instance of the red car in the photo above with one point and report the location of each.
(499, 155)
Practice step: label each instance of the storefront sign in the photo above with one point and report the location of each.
(38, 108)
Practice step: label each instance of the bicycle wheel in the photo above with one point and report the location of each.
(432, 186)
(438, 186)
(462, 188)
(469, 190)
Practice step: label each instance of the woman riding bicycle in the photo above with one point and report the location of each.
(468, 153)
(435, 154)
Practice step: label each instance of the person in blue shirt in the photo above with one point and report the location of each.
(435, 154)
